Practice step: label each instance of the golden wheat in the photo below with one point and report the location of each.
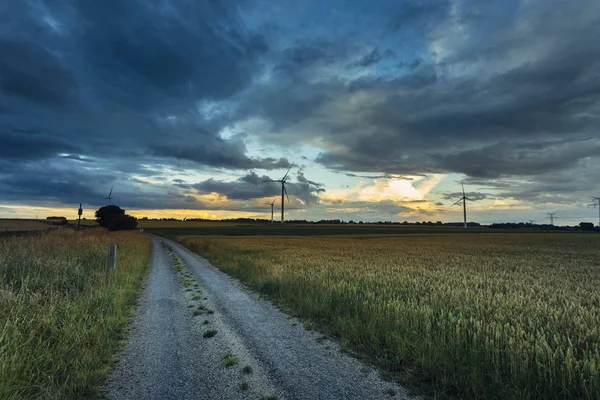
(483, 316)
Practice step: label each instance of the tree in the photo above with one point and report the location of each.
(114, 218)
(586, 226)
(106, 213)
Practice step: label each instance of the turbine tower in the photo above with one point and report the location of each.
(283, 191)
(272, 205)
(464, 199)
(596, 203)
(109, 198)
(551, 216)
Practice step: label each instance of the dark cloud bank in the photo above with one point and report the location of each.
(118, 82)
(93, 92)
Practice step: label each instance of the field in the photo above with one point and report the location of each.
(62, 315)
(494, 316)
(21, 225)
(181, 228)
(14, 225)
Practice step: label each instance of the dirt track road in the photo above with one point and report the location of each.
(168, 357)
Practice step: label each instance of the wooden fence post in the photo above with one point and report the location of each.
(111, 257)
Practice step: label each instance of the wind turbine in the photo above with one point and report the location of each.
(464, 199)
(551, 216)
(596, 203)
(109, 198)
(283, 191)
(272, 205)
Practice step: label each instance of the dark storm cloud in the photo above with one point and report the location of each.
(253, 186)
(59, 185)
(125, 81)
(411, 14)
(68, 184)
(478, 110)
(245, 188)
(411, 64)
(301, 60)
(372, 58)
(29, 71)
(177, 49)
(32, 145)
(76, 158)
(217, 152)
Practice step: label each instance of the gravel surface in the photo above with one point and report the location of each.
(168, 357)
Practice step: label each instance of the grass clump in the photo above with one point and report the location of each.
(201, 310)
(247, 369)
(244, 385)
(229, 360)
(187, 282)
(209, 333)
(62, 316)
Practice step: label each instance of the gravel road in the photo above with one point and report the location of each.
(168, 356)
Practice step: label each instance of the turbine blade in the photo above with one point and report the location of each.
(111, 188)
(469, 199)
(286, 195)
(463, 187)
(456, 202)
(288, 171)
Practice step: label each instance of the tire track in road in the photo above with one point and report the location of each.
(167, 357)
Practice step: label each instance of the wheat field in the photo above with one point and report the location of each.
(471, 316)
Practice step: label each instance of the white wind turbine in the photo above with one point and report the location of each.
(464, 199)
(283, 191)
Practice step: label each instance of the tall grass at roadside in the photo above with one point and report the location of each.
(472, 316)
(61, 316)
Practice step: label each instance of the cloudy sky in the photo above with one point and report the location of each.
(384, 106)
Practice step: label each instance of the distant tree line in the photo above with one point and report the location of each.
(322, 221)
(583, 226)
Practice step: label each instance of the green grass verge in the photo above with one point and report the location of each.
(62, 317)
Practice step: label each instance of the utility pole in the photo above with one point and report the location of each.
(551, 216)
(79, 212)
(596, 203)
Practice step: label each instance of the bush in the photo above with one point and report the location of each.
(114, 218)
(122, 223)
(59, 221)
